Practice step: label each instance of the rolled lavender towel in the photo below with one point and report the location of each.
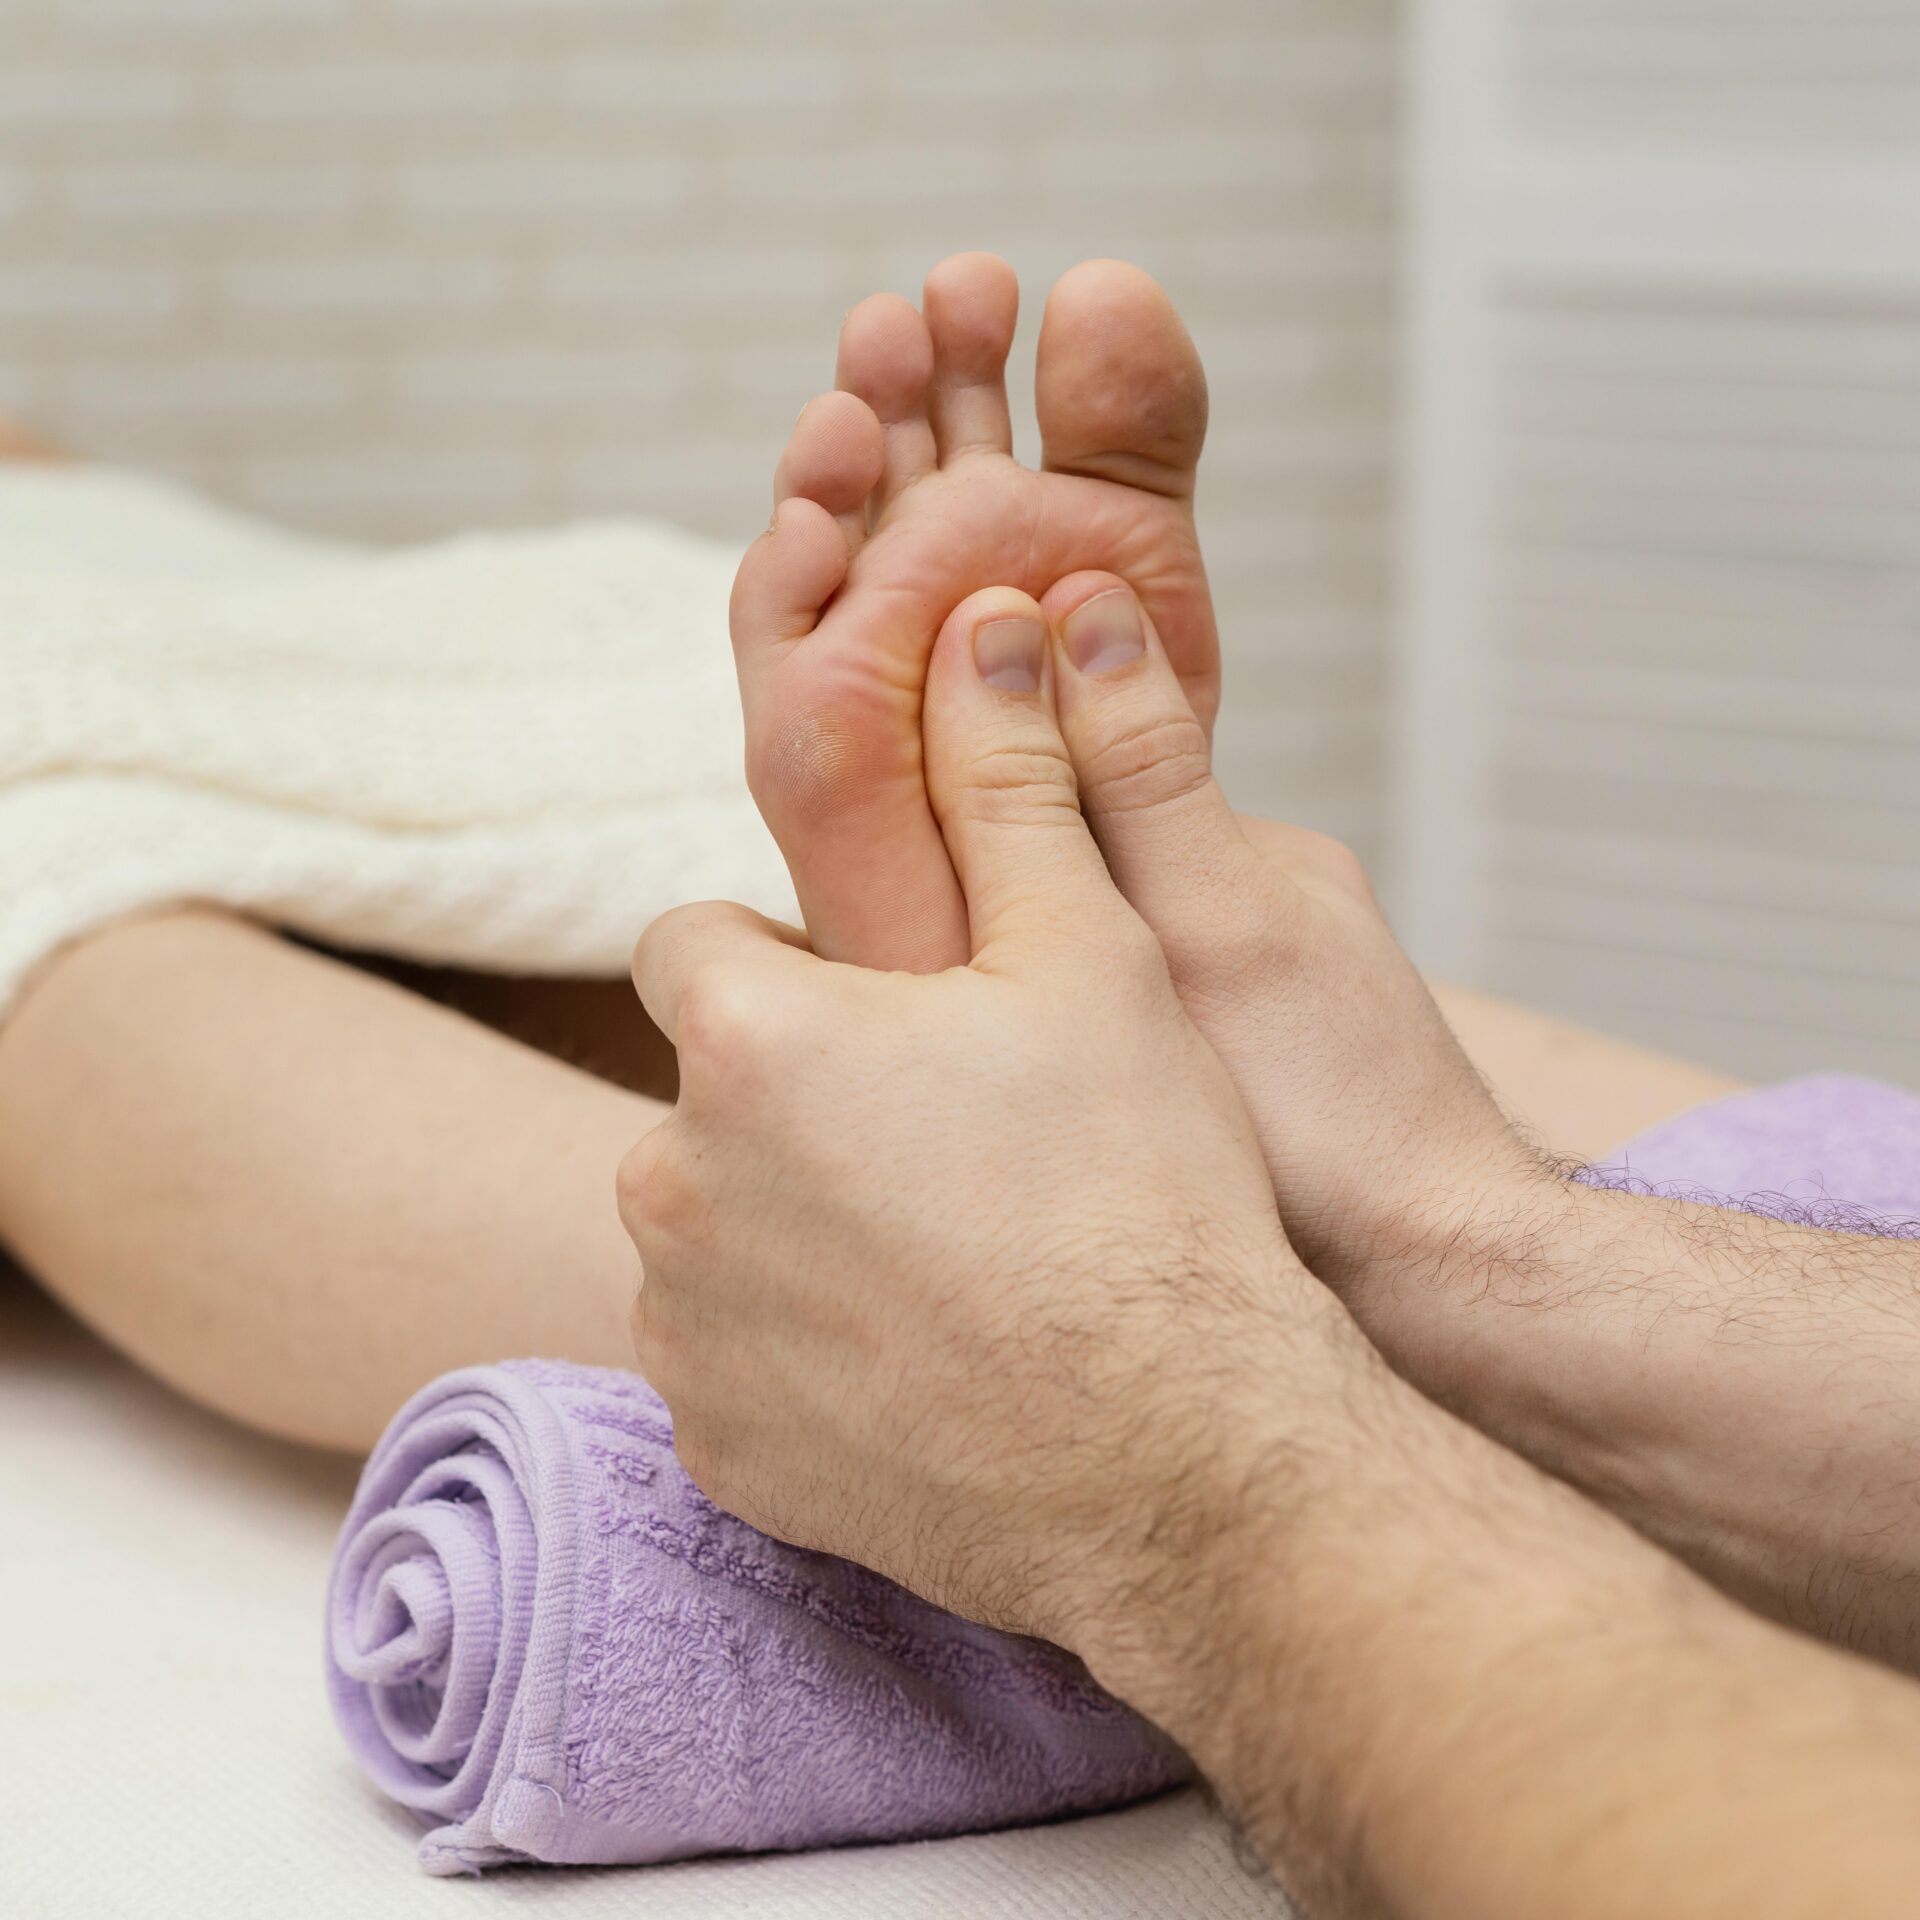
(545, 1641)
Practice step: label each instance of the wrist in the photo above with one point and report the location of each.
(1496, 1297)
(1492, 1229)
(1359, 1554)
(1271, 1461)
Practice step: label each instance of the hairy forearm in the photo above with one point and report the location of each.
(1743, 1390)
(1431, 1682)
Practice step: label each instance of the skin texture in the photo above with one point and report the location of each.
(1671, 1361)
(978, 1278)
(897, 494)
(1117, 1407)
(297, 1192)
(287, 1077)
(1739, 1389)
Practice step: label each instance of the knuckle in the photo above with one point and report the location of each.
(1314, 859)
(658, 1200)
(1143, 759)
(1019, 783)
(661, 936)
(672, 944)
(1248, 928)
(1335, 864)
(718, 1024)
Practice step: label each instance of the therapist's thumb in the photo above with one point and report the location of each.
(1002, 787)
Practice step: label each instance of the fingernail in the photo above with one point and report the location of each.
(1009, 652)
(1105, 632)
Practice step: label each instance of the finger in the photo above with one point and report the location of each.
(1139, 752)
(712, 941)
(1002, 786)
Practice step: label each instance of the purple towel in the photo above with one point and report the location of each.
(546, 1642)
(1831, 1151)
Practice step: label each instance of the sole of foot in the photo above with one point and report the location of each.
(897, 496)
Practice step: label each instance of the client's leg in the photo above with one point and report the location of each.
(298, 1192)
(1578, 1092)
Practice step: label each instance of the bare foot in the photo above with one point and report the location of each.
(897, 496)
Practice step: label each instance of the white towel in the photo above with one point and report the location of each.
(506, 751)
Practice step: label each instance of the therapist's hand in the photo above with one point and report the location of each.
(1390, 1157)
(977, 1279)
(1741, 1390)
(939, 1269)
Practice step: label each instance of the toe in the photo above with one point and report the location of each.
(1119, 388)
(972, 302)
(886, 358)
(834, 456)
(786, 577)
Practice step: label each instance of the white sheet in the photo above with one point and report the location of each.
(166, 1752)
(505, 751)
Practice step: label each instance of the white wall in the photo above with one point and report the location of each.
(1659, 705)
(394, 266)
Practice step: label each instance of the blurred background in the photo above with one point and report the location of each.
(1563, 498)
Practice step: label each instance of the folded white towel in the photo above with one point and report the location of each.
(504, 751)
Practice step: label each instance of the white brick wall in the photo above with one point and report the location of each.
(391, 266)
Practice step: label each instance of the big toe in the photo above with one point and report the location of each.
(1119, 388)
